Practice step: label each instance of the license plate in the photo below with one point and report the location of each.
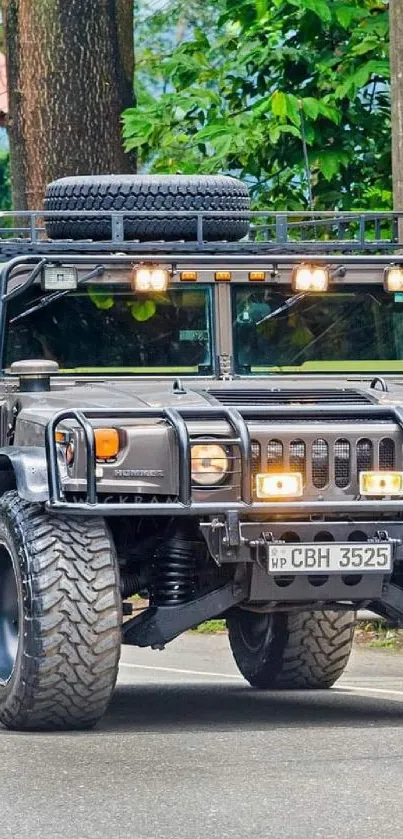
(328, 557)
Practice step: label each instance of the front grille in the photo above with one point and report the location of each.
(267, 396)
(325, 463)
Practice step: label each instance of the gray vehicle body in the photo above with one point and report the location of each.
(162, 418)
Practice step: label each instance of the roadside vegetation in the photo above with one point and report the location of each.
(293, 96)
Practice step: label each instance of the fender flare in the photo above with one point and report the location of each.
(27, 467)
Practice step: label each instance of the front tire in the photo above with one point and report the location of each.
(60, 618)
(291, 651)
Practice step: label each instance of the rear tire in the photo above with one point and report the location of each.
(147, 193)
(291, 651)
(60, 618)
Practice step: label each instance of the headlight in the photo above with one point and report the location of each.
(209, 464)
(310, 278)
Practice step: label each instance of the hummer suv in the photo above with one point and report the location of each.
(202, 405)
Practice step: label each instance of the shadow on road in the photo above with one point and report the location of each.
(158, 708)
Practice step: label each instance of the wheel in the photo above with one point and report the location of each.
(148, 192)
(60, 618)
(296, 650)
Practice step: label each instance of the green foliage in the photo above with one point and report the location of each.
(234, 86)
(5, 188)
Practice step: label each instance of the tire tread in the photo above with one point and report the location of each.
(73, 621)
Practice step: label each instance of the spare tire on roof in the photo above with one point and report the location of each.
(147, 193)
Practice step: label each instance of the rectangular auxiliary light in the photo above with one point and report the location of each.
(378, 484)
(188, 276)
(393, 278)
(222, 276)
(310, 278)
(257, 276)
(149, 278)
(59, 278)
(281, 485)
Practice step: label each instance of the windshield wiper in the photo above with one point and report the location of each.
(47, 299)
(284, 308)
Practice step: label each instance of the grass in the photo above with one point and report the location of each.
(377, 635)
(210, 627)
(370, 634)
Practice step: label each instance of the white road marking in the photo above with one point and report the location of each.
(358, 689)
(184, 672)
(207, 673)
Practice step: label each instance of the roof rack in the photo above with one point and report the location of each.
(24, 232)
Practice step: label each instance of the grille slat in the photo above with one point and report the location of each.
(320, 463)
(387, 458)
(275, 456)
(342, 455)
(298, 457)
(365, 455)
(269, 396)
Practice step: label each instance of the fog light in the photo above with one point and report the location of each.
(281, 485)
(393, 278)
(381, 483)
(310, 278)
(150, 278)
(107, 443)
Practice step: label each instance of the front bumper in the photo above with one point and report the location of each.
(232, 541)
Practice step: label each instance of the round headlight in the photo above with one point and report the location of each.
(209, 464)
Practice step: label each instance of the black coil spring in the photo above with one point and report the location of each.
(174, 573)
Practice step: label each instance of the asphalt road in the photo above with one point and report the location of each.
(188, 751)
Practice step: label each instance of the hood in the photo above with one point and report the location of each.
(135, 394)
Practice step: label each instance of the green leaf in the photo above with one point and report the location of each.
(274, 134)
(279, 104)
(143, 310)
(262, 8)
(345, 14)
(310, 107)
(329, 111)
(319, 7)
(293, 109)
(210, 132)
(100, 299)
(330, 162)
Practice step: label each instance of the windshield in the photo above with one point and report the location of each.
(98, 329)
(348, 330)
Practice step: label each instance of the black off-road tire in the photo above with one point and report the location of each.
(291, 651)
(61, 672)
(147, 193)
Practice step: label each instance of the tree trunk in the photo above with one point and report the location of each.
(70, 76)
(396, 66)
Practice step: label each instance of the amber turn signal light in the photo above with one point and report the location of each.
(188, 276)
(222, 276)
(107, 443)
(257, 276)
